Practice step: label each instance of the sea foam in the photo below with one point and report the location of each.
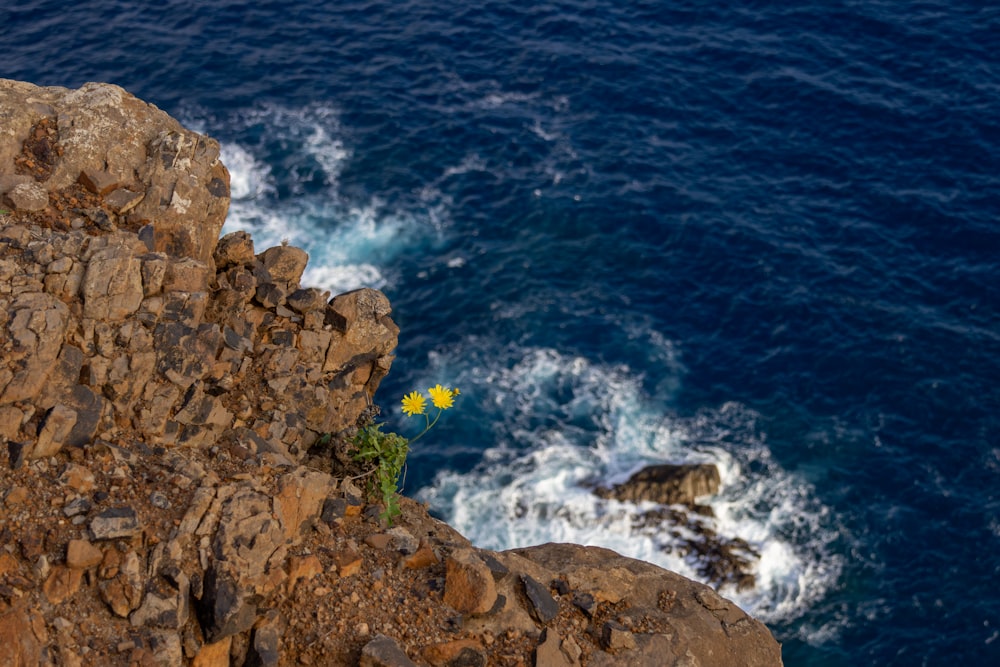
(566, 424)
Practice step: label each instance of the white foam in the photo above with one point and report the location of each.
(565, 423)
(277, 159)
(248, 178)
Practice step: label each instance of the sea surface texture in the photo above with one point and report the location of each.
(762, 235)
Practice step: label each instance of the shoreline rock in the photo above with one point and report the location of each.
(165, 495)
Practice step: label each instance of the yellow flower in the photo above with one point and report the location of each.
(414, 404)
(441, 397)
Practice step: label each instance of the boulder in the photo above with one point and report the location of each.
(714, 631)
(667, 484)
(105, 138)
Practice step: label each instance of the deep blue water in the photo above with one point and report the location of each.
(755, 234)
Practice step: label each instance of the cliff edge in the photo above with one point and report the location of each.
(167, 495)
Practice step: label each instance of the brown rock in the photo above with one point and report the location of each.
(28, 197)
(56, 428)
(81, 554)
(615, 637)
(367, 332)
(115, 523)
(123, 200)
(10, 421)
(549, 653)
(422, 557)
(384, 652)
(469, 586)
(112, 285)
(467, 652)
(300, 500)
(78, 478)
(302, 567)
(8, 564)
(284, 264)
(15, 496)
(378, 540)
(714, 631)
(61, 584)
(186, 275)
(37, 324)
(98, 182)
(19, 647)
(348, 561)
(667, 484)
(105, 130)
(213, 655)
(123, 584)
(234, 249)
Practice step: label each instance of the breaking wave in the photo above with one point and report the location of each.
(565, 424)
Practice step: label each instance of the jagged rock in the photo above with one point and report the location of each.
(81, 554)
(362, 319)
(213, 655)
(304, 567)
(715, 632)
(584, 602)
(422, 557)
(61, 584)
(469, 586)
(37, 324)
(122, 200)
(667, 484)
(186, 275)
(234, 249)
(115, 523)
(543, 606)
(98, 182)
(10, 421)
(112, 285)
(28, 197)
(225, 608)
(78, 478)
(458, 653)
(283, 264)
(265, 644)
(384, 652)
(122, 583)
(58, 424)
(248, 535)
(403, 540)
(165, 646)
(111, 137)
(164, 606)
(20, 645)
(304, 300)
(616, 637)
(550, 652)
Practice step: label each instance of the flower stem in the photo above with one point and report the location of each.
(430, 425)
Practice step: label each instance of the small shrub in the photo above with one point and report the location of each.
(387, 451)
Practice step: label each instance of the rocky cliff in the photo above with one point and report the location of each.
(167, 496)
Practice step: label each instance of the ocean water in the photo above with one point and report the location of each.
(762, 235)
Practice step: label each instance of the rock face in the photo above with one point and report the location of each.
(151, 169)
(165, 495)
(99, 331)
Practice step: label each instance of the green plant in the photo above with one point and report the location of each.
(387, 451)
